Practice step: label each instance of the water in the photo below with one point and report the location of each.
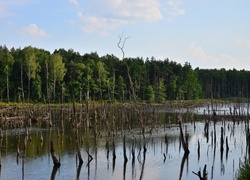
(35, 162)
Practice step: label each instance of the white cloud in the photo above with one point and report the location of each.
(100, 25)
(111, 14)
(146, 10)
(206, 60)
(34, 31)
(74, 2)
(173, 8)
(243, 43)
(5, 6)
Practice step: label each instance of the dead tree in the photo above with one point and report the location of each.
(124, 150)
(204, 176)
(133, 150)
(54, 158)
(198, 150)
(221, 140)
(183, 141)
(121, 45)
(79, 155)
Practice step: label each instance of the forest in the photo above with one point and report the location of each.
(30, 74)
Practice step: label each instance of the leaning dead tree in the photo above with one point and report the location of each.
(184, 141)
(121, 45)
(54, 158)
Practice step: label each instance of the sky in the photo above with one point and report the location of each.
(207, 34)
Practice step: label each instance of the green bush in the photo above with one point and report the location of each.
(244, 171)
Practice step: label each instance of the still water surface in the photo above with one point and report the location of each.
(37, 163)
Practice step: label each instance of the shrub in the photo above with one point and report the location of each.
(244, 171)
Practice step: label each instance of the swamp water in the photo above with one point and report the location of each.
(164, 157)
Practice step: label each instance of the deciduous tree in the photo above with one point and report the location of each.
(57, 70)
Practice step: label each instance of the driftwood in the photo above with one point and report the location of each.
(54, 158)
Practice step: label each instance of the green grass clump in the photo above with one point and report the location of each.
(244, 171)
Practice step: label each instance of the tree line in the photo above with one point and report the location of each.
(36, 75)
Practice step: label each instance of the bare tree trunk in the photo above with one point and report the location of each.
(47, 80)
(113, 88)
(54, 158)
(79, 154)
(29, 89)
(22, 81)
(54, 89)
(7, 83)
(121, 47)
(184, 143)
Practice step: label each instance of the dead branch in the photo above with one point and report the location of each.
(204, 176)
(121, 45)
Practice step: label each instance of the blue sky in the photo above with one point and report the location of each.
(208, 34)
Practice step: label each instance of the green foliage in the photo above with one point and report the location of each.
(29, 62)
(244, 171)
(57, 70)
(120, 89)
(75, 77)
(191, 88)
(160, 91)
(150, 95)
(66, 75)
(102, 77)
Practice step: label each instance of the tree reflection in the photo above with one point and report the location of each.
(143, 164)
(53, 173)
(184, 158)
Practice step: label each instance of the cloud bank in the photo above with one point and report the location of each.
(105, 15)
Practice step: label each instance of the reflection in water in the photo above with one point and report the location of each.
(124, 169)
(143, 164)
(53, 173)
(78, 171)
(107, 150)
(1, 144)
(202, 176)
(114, 157)
(23, 166)
(184, 158)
